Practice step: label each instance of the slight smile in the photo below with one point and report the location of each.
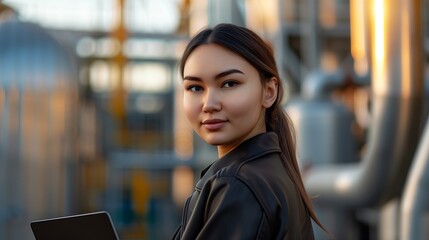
(213, 124)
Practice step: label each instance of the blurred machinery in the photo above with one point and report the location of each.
(95, 123)
(345, 192)
(38, 131)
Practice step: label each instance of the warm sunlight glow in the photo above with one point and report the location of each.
(379, 30)
(379, 47)
(405, 52)
(358, 36)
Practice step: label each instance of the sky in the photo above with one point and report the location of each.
(160, 16)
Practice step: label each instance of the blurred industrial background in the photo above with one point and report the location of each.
(90, 110)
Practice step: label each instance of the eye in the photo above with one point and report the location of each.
(194, 88)
(229, 84)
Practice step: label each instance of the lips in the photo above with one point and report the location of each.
(213, 124)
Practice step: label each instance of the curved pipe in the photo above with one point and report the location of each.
(381, 173)
(319, 84)
(414, 207)
(397, 93)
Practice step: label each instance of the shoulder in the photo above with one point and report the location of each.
(228, 183)
(264, 177)
(255, 173)
(225, 191)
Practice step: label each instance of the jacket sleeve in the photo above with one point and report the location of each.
(231, 211)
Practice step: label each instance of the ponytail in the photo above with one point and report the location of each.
(279, 122)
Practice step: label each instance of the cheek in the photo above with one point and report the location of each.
(245, 107)
(191, 108)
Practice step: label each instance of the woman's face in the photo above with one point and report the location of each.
(223, 97)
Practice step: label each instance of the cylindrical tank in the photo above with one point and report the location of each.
(323, 131)
(38, 108)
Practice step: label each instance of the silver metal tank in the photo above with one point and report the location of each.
(38, 111)
(324, 132)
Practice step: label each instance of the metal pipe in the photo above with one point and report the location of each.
(311, 34)
(414, 207)
(397, 93)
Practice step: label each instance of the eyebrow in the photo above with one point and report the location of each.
(219, 75)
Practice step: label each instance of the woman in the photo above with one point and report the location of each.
(232, 98)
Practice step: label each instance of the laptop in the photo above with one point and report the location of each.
(89, 226)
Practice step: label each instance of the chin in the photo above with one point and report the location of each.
(214, 140)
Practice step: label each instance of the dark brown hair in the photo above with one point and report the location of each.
(259, 54)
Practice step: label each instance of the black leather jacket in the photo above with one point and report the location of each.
(246, 194)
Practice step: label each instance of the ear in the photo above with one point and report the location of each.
(270, 92)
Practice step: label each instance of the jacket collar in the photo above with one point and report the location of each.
(252, 147)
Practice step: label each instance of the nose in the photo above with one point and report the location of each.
(211, 102)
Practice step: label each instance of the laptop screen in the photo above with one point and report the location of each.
(90, 226)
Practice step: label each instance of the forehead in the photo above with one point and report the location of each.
(212, 58)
